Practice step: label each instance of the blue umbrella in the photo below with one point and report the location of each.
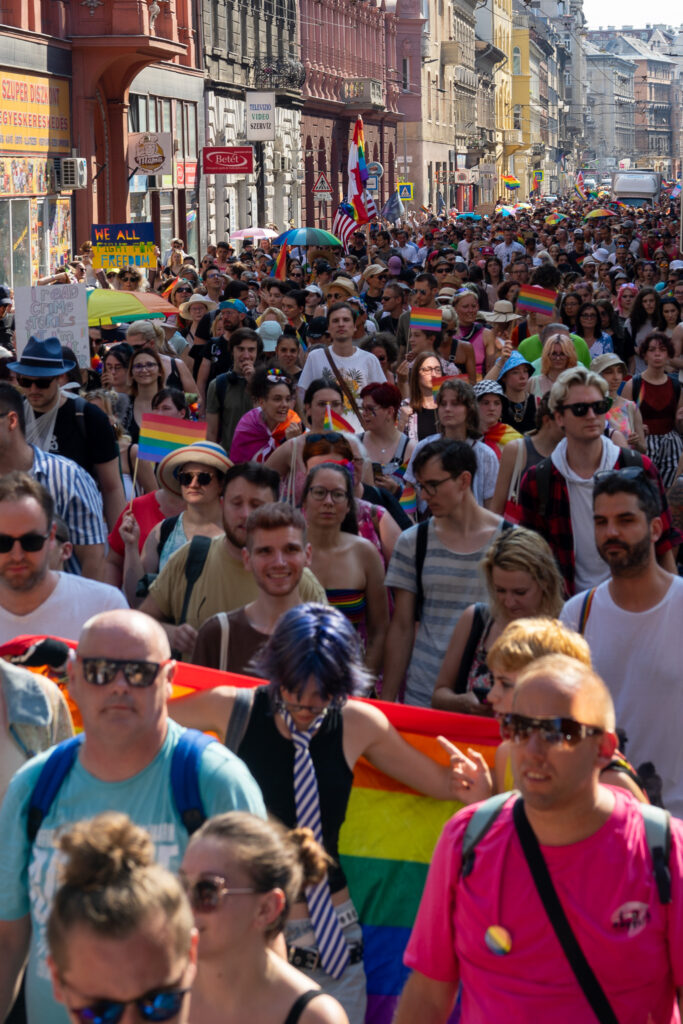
(307, 236)
(469, 216)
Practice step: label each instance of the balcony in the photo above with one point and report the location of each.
(512, 136)
(363, 94)
(451, 53)
(538, 149)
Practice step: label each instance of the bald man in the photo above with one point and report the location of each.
(495, 936)
(123, 764)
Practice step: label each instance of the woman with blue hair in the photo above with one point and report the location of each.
(301, 738)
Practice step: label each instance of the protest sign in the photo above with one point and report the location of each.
(56, 310)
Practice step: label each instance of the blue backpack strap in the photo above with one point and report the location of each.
(657, 823)
(52, 775)
(479, 824)
(185, 763)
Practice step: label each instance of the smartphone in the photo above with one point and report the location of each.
(377, 469)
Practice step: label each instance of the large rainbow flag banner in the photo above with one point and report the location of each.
(160, 435)
(534, 299)
(390, 831)
(358, 173)
(510, 181)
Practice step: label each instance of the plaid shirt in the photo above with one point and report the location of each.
(556, 523)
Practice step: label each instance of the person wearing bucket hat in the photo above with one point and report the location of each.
(490, 398)
(519, 407)
(624, 414)
(69, 426)
(373, 281)
(195, 473)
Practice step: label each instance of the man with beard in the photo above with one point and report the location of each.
(33, 597)
(223, 582)
(632, 622)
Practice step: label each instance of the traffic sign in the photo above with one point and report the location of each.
(375, 168)
(405, 190)
(372, 184)
(322, 188)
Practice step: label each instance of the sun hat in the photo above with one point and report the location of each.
(514, 360)
(345, 284)
(196, 300)
(604, 361)
(373, 271)
(206, 453)
(487, 387)
(42, 359)
(503, 312)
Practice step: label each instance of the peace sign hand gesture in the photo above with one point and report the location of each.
(470, 778)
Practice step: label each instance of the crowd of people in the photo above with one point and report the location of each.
(442, 468)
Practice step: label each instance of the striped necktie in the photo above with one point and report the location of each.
(332, 946)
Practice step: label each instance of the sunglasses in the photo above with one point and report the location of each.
(206, 894)
(102, 671)
(187, 479)
(40, 382)
(581, 408)
(155, 1006)
(627, 473)
(28, 542)
(187, 291)
(553, 731)
(128, 277)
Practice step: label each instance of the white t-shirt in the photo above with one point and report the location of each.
(357, 370)
(639, 655)
(73, 601)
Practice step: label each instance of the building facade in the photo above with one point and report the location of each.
(611, 109)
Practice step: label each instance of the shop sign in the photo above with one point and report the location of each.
(228, 160)
(60, 309)
(260, 108)
(119, 245)
(34, 114)
(150, 152)
(26, 176)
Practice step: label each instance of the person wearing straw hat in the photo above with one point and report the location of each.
(196, 473)
(194, 311)
(64, 425)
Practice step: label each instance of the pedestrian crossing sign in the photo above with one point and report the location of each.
(405, 190)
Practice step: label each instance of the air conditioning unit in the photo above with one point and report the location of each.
(154, 182)
(299, 174)
(74, 172)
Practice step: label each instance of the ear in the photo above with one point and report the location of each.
(245, 558)
(57, 989)
(270, 907)
(608, 744)
(308, 553)
(656, 529)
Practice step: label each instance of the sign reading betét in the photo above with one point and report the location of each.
(260, 116)
(228, 160)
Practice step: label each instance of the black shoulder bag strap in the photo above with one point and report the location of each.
(583, 972)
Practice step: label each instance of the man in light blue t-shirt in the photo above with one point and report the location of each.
(124, 765)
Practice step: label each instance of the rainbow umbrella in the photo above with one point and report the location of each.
(107, 306)
(307, 236)
(555, 218)
(600, 211)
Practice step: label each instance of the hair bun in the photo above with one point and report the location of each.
(313, 858)
(104, 851)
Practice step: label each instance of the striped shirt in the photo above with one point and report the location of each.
(451, 582)
(76, 497)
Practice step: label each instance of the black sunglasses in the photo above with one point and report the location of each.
(40, 382)
(626, 473)
(581, 408)
(551, 730)
(28, 541)
(102, 671)
(159, 1005)
(205, 894)
(203, 479)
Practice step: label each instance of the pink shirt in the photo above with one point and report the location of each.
(607, 888)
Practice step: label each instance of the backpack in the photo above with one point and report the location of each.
(544, 472)
(185, 763)
(656, 820)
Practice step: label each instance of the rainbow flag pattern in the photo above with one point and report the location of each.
(510, 181)
(160, 435)
(425, 319)
(335, 421)
(408, 499)
(279, 271)
(358, 173)
(438, 381)
(534, 299)
(499, 435)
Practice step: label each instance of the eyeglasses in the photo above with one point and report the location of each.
(319, 493)
(430, 487)
(103, 671)
(581, 408)
(206, 894)
(553, 731)
(28, 541)
(431, 370)
(40, 382)
(588, 316)
(145, 366)
(312, 709)
(158, 1005)
(187, 479)
(627, 473)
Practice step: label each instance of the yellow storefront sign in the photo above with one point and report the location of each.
(34, 114)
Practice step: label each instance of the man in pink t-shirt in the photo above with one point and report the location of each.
(489, 932)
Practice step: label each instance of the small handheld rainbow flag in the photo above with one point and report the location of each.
(533, 299)
(334, 421)
(425, 319)
(160, 435)
(408, 499)
(279, 271)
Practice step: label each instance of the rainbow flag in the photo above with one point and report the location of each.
(358, 173)
(438, 381)
(160, 435)
(334, 421)
(579, 186)
(279, 271)
(534, 299)
(499, 435)
(408, 499)
(510, 181)
(424, 319)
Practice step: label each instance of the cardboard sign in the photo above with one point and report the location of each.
(122, 245)
(53, 311)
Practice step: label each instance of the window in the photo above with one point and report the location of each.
(517, 117)
(516, 61)
(405, 74)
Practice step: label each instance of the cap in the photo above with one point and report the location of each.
(394, 265)
(604, 361)
(313, 289)
(578, 233)
(317, 326)
(234, 304)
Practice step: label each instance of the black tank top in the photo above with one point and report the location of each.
(532, 456)
(270, 759)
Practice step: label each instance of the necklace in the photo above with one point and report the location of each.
(518, 409)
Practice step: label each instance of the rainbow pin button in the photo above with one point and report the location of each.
(498, 940)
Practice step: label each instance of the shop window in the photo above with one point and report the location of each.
(21, 243)
(5, 232)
